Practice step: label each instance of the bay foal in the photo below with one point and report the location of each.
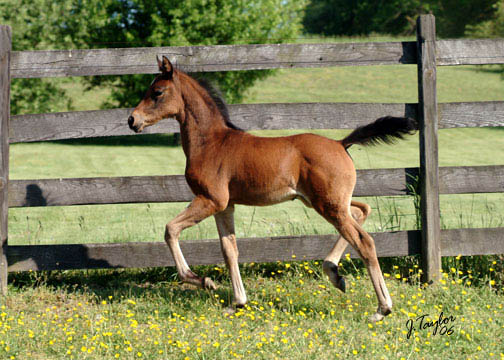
(226, 166)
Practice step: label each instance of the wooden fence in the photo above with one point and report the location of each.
(426, 52)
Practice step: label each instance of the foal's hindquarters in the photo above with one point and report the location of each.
(329, 182)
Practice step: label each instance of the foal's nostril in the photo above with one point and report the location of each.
(131, 120)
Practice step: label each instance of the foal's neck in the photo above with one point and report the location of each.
(201, 118)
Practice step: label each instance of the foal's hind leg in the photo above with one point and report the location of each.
(364, 244)
(360, 212)
(199, 209)
(225, 226)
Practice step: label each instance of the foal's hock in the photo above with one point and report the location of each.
(227, 166)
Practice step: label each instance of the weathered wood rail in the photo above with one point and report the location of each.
(426, 53)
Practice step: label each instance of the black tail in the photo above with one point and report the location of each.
(384, 130)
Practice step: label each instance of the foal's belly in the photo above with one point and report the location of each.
(264, 197)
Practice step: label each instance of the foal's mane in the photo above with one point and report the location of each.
(219, 101)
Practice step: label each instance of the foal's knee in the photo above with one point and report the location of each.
(171, 232)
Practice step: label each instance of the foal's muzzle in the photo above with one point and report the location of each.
(131, 121)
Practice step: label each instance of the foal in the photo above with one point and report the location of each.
(227, 166)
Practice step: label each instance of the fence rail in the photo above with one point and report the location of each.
(173, 188)
(426, 53)
(307, 247)
(54, 63)
(98, 123)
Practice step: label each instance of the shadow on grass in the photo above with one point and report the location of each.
(152, 283)
(161, 140)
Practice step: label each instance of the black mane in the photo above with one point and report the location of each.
(216, 96)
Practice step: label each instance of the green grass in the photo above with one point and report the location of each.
(389, 84)
(293, 312)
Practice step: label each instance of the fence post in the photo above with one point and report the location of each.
(428, 123)
(5, 50)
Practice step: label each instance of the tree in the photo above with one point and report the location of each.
(354, 17)
(133, 23)
(46, 24)
(34, 26)
(490, 28)
(454, 17)
(360, 17)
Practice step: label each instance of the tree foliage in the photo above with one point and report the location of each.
(45, 24)
(490, 28)
(134, 23)
(34, 26)
(356, 17)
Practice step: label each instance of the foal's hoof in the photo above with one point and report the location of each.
(209, 284)
(331, 270)
(341, 284)
(231, 310)
(379, 314)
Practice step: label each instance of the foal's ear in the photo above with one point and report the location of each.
(165, 66)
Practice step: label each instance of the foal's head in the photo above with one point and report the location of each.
(162, 100)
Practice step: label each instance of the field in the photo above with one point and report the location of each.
(293, 311)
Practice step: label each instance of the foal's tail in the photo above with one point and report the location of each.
(384, 130)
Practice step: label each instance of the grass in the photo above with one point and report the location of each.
(293, 312)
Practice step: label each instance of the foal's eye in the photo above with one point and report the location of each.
(156, 94)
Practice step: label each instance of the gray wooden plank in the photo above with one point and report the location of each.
(154, 254)
(428, 122)
(203, 252)
(29, 64)
(75, 124)
(471, 179)
(466, 242)
(470, 51)
(5, 48)
(83, 124)
(471, 114)
(173, 188)
(170, 188)
(275, 116)
(108, 190)
(36, 64)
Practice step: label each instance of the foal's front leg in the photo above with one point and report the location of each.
(199, 209)
(225, 226)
